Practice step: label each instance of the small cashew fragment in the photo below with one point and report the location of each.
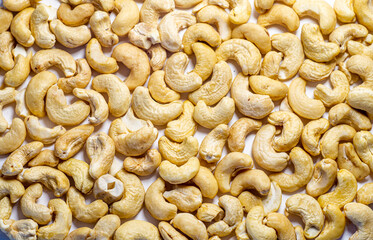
(6, 46)
(14, 163)
(186, 198)
(44, 158)
(178, 153)
(79, 171)
(216, 16)
(44, 59)
(50, 177)
(159, 90)
(40, 133)
(155, 203)
(364, 13)
(158, 57)
(108, 188)
(281, 224)
(60, 112)
(6, 18)
(314, 45)
(72, 141)
(127, 18)
(212, 145)
(101, 27)
(320, 10)
(348, 159)
(334, 224)
(344, 114)
(263, 152)
(80, 80)
(143, 166)
(330, 140)
(11, 187)
(206, 182)
(239, 131)
(311, 135)
(21, 69)
(179, 174)
(137, 229)
(39, 25)
(341, 35)
(209, 212)
(215, 89)
(343, 193)
(309, 210)
(88, 213)
(146, 108)
(251, 179)
(20, 27)
(323, 178)
(168, 232)
(292, 49)
(152, 9)
(5, 208)
(175, 77)
(316, 72)
(344, 9)
(363, 144)
(190, 226)
(118, 93)
(229, 166)
(20, 229)
(169, 28)
(340, 92)
(97, 60)
(282, 15)
(245, 53)
(60, 228)
(255, 226)
(303, 170)
(211, 117)
(76, 16)
(100, 149)
(202, 32)
(249, 104)
(136, 60)
(301, 104)
(14, 138)
(70, 37)
(254, 33)
(365, 194)
(7, 96)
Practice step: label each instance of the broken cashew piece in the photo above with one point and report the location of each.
(19, 229)
(186, 198)
(44, 158)
(323, 178)
(97, 60)
(365, 194)
(168, 232)
(108, 188)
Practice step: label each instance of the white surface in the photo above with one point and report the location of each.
(122, 73)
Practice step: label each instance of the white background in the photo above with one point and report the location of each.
(123, 73)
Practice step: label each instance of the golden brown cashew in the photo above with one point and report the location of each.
(143, 166)
(343, 193)
(97, 60)
(168, 232)
(363, 144)
(281, 224)
(320, 10)
(206, 182)
(39, 25)
(239, 131)
(80, 80)
(14, 163)
(6, 17)
(14, 138)
(37, 90)
(276, 90)
(21, 69)
(323, 178)
(76, 16)
(20, 229)
(11, 187)
(309, 210)
(88, 213)
(133, 196)
(158, 57)
(246, 54)
(101, 27)
(216, 16)
(72, 141)
(341, 35)
(301, 104)
(118, 93)
(44, 59)
(344, 9)
(314, 71)
(62, 221)
(6, 208)
(263, 152)
(212, 145)
(137, 229)
(159, 90)
(60, 112)
(156, 204)
(44, 158)
(230, 165)
(292, 49)
(179, 174)
(343, 113)
(364, 13)
(365, 194)
(100, 149)
(202, 32)
(312, 133)
(127, 18)
(186, 198)
(70, 37)
(152, 9)
(330, 140)
(255, 34)
(108, 188)
(251, 179)
(6, 45)
(211, 117)
(303, 170)
(334, 224)
(282, 15)
(178, 153)
(255, 226)
(7, 96)
(348, 159)
(190, 226)
(20, 27)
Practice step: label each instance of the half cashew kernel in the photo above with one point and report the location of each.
(44, 59)
(365, 194)
(108, 188)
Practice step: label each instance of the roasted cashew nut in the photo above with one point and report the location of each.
(76, 16)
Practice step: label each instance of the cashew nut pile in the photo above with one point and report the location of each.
(131, 131)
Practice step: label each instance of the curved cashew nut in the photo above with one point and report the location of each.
(77, 16)
(362, 217)
(178, 153)
(282, 15)
(363, 144)
(159, 90)
(281, 224)
(309, 210)
(72, 141)
(343, 113)
(264, 153)
(341, 35)
(215, 15)
(17, 5)
(144, 35)
(70, 37)
(276, 90)
(356, 48)
(365, 194)
(239, 131)
(7, 96)
(312, 133)
(364, 12)
(13, 165)
(209, 212)
(190, 226)
(104, 5)
(21, 69)
(251, 179)
(118, 93)
(240, 11)
(24, 228)
(127, 18)
(6, 208)
(314, 71)
(200, 32)
(330, 140)
(261, 6)
(179, 174)
(108, 188)
(186, 198)
(44, 59)
(334, 224)
(137, 229)
(158, 57)
(101, 27)
(323, 178)
(249, 200)
(168, 232)
(152, 9)
(97, 60)
(143, 166)
(44, 158)
(261, 38)
(343, 193)
(40, 133)
(80, 80)
(206, 182)
(39, 25)
(255, 226)
(6, 17)
(6, 46)
(20, 27)
(14, 138)
(344, 9)
(212, 145)
(11, 187)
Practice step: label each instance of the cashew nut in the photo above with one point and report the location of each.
(209, 212)
(271, 64)
(363, 10)
(159, 90)
(341, 35)
(158, 57)
(6, 208)
(324, 175)
(272, 201)
(77, 16)
(70, 37)
(344, 9)
(137, 229)
(334, 224)
(281, 224)
(216, 16)
(6, 17)
(152, 9)
(97, 60)
(40, 133)
(14, 138)
(212, 145)
(6, 46)
(251, 179)
(101, 27)
(143, 166)
(239, 131)
(190, 226)
(144, 35)
(315, 71)
(355, 48)
(261, 38)
(44, 59)
(108, 188)
(168, 232)
(249, 200)
(20, 27)
(7, 96)
(179, 174)
(127, 18)
(80, 80)
(282, 15)
(206, 182)
(312, 133)
(255, 226)
(200, 32)
(186, 198)
(21, 69)
(44, 158)
(21, 107)
(20, 229)
(104, 5)
(39, 25)
(365, 194)
(343, 113)
(11, 187)
(363, 144)
(178, 153)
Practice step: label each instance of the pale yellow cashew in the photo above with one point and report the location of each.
(178, 153)
(21, 69)
(186, 198)
(190, 226)
(159, 90)
(14, 138)
(104, 5)
(101, 27)
(144, 35)
(21, 107)
(365, 194)
(127, 18)
(343, 113)
(70, 37)
(13, 188)
(44, 59)
(202, 32)
(215, 15)
(239, 131)
(341, 35)
(363, 144)
(6, 208)
(256, 34)
(362, 217)
(206, 182)
(7, 96)
(97, 60)
(6, 46)
(6, 17)
(212, 145)
(137, 229)
(281, 15)
(344, 9)
(314, 71)
(20, 27)
(271, 64)
(44, 158)
(143, 166)
(179, 174)
(209, 212)
(334, 224)
(364, 13)
(168, 232)
(281, 224)
(249, 200)
(108, 188)
(152, 9)
(80, 80)
(261, 6)
(19, 229)
(311, 135)
(158, 57)
(76, 16)
(39, 25)
(251, 179)
(324, 175)
(255, 226)
(355, 48)
(276, 90)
